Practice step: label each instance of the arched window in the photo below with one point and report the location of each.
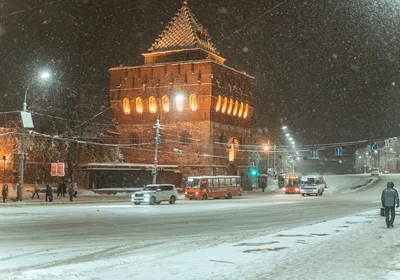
(246, 111)
(230, 107)
(179, 100)
(236, 108)
(165, 103)
(126, 105)
(193, 102)
(224, 105)
(241, 108)
(153, 104)
(219, 103)
(233, 147)
(139, 105)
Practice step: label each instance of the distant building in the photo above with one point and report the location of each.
(205, 106)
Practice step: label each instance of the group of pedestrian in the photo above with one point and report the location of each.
(61, 191)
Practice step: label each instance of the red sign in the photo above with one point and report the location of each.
(58, 169)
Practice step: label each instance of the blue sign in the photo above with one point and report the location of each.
(339, 151)
(374, 146)
(314, 154)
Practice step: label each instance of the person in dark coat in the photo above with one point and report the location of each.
(59, 189)
(71, 192)
(263, 184)
(390, 199)
(63, 188)
(49, 193)
(4, 192)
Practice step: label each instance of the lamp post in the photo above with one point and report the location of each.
(4, 169)
(157, 127)
(43, 76)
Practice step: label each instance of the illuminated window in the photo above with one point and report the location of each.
(219, 102)
(236, 108)
(241, 109)
(165, 103)
(246, 111)
(234, 146)
(153, 106)
(139, 105)
(126, 104)
(193, 102)
(225, 105)
(230, 107)
(179, 103)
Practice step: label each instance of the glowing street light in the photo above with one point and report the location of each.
(284, 127)
(266, 148)
(43, 76)
(290, 139)
(287, 135)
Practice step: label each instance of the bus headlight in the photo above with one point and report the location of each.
(283, 189)
(197, 192)
(297, 189)
(185, 192)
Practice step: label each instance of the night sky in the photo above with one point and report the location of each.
(329, 69)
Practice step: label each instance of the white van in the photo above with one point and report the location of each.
(311, 185)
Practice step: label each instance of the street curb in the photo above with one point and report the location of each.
(18, 204)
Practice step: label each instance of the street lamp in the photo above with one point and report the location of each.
(284, 127)
(287, 134)
(43, 76)
(179, 98)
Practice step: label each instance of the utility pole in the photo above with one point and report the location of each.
(4, 169)
(22, 158)
(157, 138)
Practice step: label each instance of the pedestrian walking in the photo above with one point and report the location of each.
(35, 190)
(263, 184)
(59, 189)
(63, 188)
(4, 192)
(49, 193)
(390, 199)
(71, 193)
(75, 189)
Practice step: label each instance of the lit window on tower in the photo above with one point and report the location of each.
(241, 108)
(219, 102)
(225, 105)
(165, 103)
(179, 103)
(193, 102)
(234, 146)
(236, 108)
(152, 104)
(126, 104)
(246, 111)
(139, 105)
(230, 107)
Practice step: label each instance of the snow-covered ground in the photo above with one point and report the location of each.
(357, 247)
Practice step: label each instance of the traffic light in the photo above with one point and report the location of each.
(253, 172)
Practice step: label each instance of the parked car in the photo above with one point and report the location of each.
(386, 172)
(375, 171)
(155, 194)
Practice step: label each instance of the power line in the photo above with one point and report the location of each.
(32, 8)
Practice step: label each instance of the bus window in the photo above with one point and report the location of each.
(216, 183)
(211, 183)
(193, 183)
(203, 184)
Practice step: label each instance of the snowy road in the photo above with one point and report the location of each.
(52, 237)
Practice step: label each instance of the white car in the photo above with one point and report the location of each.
(311, 185)
(155, 194)
(375, 171)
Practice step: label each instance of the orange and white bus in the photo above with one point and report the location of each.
(205, 187)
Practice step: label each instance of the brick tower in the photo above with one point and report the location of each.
(203, 105)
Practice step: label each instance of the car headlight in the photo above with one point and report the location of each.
(146, 194)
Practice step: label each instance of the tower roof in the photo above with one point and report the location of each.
(184, 32)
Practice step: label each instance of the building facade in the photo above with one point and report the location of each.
(204, 106)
